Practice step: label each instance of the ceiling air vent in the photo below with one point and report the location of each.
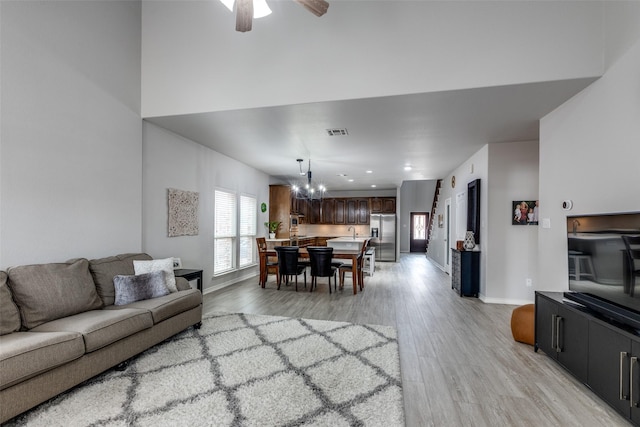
(337, 132)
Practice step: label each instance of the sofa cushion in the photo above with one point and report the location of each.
(104, 269)
(168, 306)
(100, 328)
(46, 292)
(140, 287)
(182, 284)
(166, 265)
(26, 354)
(9, 314)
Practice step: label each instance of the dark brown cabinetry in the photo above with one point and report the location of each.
(602, 354)
(327, 212)
(313, 211)
(340, 210)
(465, 272)
(298, 206)
(357, 211)
(383, 205)
(279, 208)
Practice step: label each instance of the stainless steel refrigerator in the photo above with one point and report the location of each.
(383, 236)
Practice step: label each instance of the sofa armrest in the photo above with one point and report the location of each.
(182, 284)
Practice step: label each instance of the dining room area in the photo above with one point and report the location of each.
(336, 264)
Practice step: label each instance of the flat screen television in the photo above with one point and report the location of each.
(599, 275)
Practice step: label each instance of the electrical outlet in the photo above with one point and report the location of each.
(529, 283)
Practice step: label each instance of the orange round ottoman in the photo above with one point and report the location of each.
(522, 324)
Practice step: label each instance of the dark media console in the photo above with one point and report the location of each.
(594, 347)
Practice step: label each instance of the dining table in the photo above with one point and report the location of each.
(347, 254)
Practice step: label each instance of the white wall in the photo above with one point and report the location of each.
(195, 61)
(589, 151)
(507, 172)
(71, 153)
(171, 161)
(511, 250)
(417, 196)
(476, 167)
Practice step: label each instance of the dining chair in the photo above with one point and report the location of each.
(271, 264)
(632, 246)
(320, 261)
(347, 267)
(288, 265)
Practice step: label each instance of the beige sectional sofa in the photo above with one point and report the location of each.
(59, 326)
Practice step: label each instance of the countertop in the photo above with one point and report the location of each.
(299, 237)
(350, 239)
(333, 237)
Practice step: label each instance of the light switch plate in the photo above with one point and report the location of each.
(546, 222)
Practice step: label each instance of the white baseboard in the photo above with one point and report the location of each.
(231, 282)
(505, 301)
(432, 261)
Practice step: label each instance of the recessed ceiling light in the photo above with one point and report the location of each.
(369, 171)
(407, 167)
(373, 186)
(350, 179)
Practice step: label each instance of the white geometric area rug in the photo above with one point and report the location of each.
(245, 370)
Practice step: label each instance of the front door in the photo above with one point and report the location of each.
(418, 238)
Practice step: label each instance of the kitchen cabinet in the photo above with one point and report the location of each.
(465, 272)
(280, 208)
(313, 211)
(357, 211)
(327, 212)
(322, 241)
(363, 211)
(336, 211)
(562, 334)
(340, 211)
(298, 206)
(383, 205)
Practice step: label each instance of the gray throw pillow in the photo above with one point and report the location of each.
(46, 292)
(9, 315)
(140, 287)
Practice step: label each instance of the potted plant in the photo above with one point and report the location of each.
(272, 226)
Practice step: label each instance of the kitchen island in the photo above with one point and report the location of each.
(349, 243)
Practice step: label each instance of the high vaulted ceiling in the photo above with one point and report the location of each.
(417, 83)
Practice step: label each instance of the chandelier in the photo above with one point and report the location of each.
(308, 190)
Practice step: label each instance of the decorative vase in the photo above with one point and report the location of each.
(272, 235)
(469, 241)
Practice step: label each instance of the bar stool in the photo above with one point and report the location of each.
(370, 260)
(579, 260)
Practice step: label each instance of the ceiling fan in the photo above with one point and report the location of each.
(245, 10)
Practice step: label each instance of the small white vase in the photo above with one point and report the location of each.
(272, 235)
(469, 241)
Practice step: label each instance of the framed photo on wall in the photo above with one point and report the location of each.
(524, 212)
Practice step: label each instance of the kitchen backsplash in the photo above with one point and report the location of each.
(332, 230)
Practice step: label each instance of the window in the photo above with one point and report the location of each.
(248, 220)
(234, 232)
(224, 233)
(419, 230)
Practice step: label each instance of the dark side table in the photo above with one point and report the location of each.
(190, 275)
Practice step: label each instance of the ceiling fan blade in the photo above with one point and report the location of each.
(317, 7)
(244, 15)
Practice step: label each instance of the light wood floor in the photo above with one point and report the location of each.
(460, 365)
